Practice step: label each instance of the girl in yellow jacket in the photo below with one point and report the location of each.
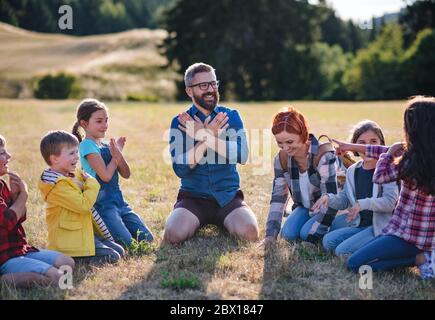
(74, 227)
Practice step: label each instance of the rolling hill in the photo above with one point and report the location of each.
(111, 66)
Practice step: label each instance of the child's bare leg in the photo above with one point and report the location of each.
(53, 275)
(64, 261)
(24, 279)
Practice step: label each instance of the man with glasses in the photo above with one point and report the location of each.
(207, 141)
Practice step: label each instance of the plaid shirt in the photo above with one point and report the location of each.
(322, 179)
(13, 241)
(413, 218)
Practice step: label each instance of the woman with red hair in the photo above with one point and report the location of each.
(305, 172)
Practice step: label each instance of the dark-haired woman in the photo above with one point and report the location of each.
(409, 237)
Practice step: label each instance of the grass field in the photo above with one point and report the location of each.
(212, 265)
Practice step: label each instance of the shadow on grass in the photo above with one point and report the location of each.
(184, 271)
(300, 271)
(289, 268)
(82, 271)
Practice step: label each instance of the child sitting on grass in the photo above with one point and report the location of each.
(105, 163)
(70, 197)
(369, 204)
(409, 238)
(22, 265)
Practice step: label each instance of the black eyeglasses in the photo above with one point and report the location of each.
(205, 85)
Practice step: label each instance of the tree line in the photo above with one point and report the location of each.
(295, 50)
(90, 16)
(267, 50)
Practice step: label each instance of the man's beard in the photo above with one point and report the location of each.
(207, 105)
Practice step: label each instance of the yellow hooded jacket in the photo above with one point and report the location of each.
(68, 213)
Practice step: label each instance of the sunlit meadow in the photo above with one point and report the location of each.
(212, 265)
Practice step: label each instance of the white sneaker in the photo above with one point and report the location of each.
(427, 268)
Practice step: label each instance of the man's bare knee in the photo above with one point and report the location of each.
(247, 232)
(180, 226)
(251, 232)
(242, 223)
(175, 236)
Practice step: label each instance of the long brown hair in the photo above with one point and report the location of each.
(417, 164)
(84, 112)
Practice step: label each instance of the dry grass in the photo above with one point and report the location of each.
(110, 66)
(212, 265)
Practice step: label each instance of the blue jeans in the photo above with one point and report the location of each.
(123, 223)
(347, 240)
(106, 251)
(299, 223)
(38, 262)
(384, 253)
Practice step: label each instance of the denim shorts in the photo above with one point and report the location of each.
(38, 262)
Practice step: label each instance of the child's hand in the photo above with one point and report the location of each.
(78, 183)
(13, 184)
(85, 176)
(353, 212)
(120, 143)
(320, 204)
(17, 184)
(114, 150)
(396, 149)
(342, 147)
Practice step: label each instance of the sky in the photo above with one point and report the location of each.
(362, 10)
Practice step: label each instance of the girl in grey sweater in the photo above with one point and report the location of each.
(369, 205)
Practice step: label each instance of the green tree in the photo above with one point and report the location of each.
(90, 17)
(418, 60)
(139, 13)
(355, 36)
(416, 17)
(59, 86)
(261, 52)
(333, 29)
(7, 13)
(333, 63)
(375, 72)
(374, 30)
(112, 17)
